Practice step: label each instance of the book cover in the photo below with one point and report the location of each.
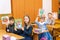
(18, 23)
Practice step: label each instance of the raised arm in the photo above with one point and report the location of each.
(37, 19)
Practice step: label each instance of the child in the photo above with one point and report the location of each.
(44, 34)
(10, 27)
(27, 30)
(50, 19)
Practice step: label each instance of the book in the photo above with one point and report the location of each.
(18, 23)
(6, 37)
(41, 11)
(38, 30)
(5, 20)
(13, 38)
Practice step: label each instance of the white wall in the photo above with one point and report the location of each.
(5, 6)
(47, 6)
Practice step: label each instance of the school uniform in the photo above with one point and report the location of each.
(27, 33)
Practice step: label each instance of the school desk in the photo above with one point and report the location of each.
(3, 32)
(57, 21)
(55, 31)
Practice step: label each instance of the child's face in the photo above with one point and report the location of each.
(42, 19)
(49, 15)
(26, 19)
(43, 15)
(11, 21)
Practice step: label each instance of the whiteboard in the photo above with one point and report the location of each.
(5, 6)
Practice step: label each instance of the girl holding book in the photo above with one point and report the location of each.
(27, 29)
(43, 33)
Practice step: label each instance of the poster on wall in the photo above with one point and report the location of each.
(5, 20)
(18, 23)
(5, 6)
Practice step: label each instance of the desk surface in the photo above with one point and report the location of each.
(3, 32)
(54, 26)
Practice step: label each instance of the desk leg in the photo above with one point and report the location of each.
(54, 38)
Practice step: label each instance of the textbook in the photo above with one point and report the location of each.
(18, 23)
(6, 37)
(5, 20)
(13, 38)
(40, 12)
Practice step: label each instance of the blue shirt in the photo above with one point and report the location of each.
(42, 25)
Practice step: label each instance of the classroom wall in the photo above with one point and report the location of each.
(20, 8)
(30, 7)
(26, 7)
(55, 5)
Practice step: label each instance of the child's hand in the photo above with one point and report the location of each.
(15, 29)
(23, 28)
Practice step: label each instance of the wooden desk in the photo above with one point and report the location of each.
(3, 32)
(54, 26)
(57, 21)
(55, 30)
